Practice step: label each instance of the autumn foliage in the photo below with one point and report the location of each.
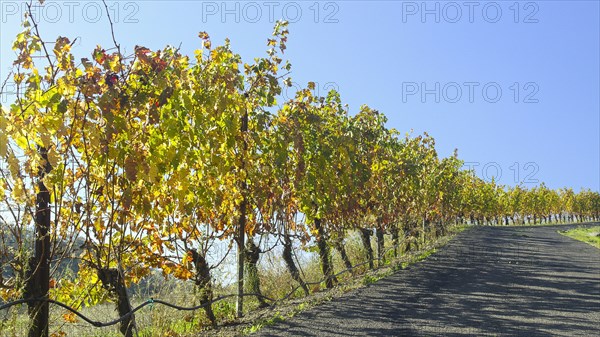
(149, 161)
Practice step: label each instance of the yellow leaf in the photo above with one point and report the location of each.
(166, 269)
(115, 63)
(53, 157)
(3, 144)
(13, 165)
(152, 173)
(46, 139)
(17, 192)
(182, 273)
(2, 120)
(22, 142)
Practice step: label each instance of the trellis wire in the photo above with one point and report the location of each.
(152, 301)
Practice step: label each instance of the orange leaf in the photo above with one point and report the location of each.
(70, 317)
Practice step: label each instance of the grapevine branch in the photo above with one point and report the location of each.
(152, 301)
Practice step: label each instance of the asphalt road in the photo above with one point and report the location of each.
(488, 281)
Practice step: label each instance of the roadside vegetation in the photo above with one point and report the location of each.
(161, 321)
(590, 235)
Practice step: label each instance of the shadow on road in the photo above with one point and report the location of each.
(489, 281)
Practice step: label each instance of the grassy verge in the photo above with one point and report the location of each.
(590, 235)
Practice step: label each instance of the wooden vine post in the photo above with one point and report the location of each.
(242, 223)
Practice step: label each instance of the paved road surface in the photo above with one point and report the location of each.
(489, 281)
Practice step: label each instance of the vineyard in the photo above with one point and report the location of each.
(117, 168)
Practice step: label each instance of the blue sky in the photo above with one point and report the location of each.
(513, 85)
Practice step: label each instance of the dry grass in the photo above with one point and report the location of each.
(276, 283)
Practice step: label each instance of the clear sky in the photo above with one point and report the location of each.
(514, 86)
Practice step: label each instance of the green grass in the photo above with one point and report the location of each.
(370, 279)
(590, 235)
(267, 322)
(415, 259)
